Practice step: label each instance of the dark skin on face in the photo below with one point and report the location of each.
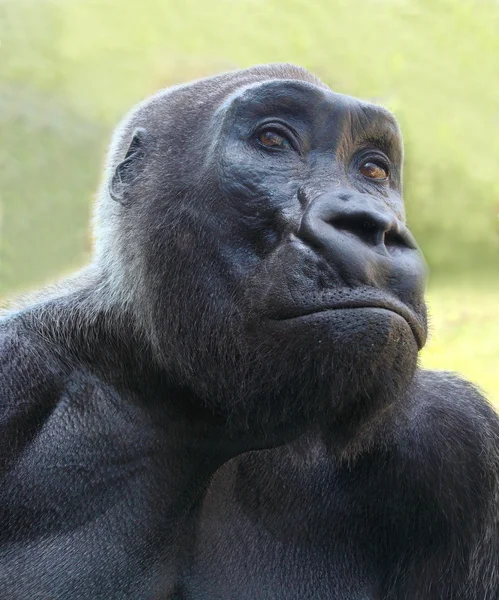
(311, 229)
(254, 282)
(316, 177)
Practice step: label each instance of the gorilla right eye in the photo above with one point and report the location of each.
(374, 170)
(273, 139)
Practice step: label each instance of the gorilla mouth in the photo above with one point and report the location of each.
(394, 307)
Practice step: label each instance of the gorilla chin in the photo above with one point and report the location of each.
(341, 367)
(353, 344)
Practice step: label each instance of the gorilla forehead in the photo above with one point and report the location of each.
(328, 120)
(185, 116)
(185, 107)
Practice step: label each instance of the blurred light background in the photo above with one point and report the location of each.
(69, 69)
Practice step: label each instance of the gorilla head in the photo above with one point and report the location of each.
(253, 224)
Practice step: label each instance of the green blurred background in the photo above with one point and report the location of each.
(69, 69)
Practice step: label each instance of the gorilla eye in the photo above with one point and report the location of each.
(373, 170)
(272, 139)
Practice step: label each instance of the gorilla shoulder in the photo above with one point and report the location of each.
(445, 402)
(32, 379)
(451, 419)
(28, 366)
(451, 450)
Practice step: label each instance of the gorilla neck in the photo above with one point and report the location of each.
(188, 438)
(238, 411)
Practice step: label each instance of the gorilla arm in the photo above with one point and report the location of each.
(413, 518)
(95, 484)
(451, 458)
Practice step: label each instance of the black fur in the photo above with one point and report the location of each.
(240, 296)
(413, 518)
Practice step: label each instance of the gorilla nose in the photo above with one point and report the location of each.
(374, 228)
(357, 233)
(331, 216)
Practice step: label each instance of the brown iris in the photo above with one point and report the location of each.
(272, 139)
(373, 171)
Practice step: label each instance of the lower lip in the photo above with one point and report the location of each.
(417, 337)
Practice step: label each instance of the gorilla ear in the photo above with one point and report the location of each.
(129, 168)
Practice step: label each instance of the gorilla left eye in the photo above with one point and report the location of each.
(272, 139)
(373, 170)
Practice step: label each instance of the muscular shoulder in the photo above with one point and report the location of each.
(452, 441)
(445, 404)
(29, 366)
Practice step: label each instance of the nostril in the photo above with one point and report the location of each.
(369, 226)
(369, 230)
(394, 238)
(400, 238)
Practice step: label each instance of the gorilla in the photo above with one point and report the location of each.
(226, 403)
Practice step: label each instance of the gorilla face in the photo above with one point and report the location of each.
(264, 220)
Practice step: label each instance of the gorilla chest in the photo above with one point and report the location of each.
(282, 555)
(271, 571)
(267, 533)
